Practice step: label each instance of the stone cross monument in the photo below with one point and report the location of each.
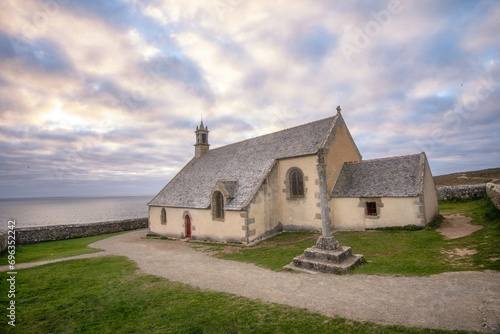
(326, 241)
(327, 256)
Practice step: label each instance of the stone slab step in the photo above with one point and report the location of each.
(325, 266)
(336, 256)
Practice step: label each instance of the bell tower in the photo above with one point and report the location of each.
(202, 146)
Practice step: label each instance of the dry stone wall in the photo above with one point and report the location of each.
(31, 235)
(461, 192)
(3, 240)
(493, 192)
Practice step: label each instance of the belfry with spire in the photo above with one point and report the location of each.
(202, 146)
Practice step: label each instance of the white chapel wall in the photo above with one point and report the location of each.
(339, 149)
(430, 195)
(263, 211)
(301, 213)
(203, 227)
(173, 228)
(348, 214)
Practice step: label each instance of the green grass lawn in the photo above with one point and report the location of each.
(51, 250)
(273, 253)
(386, 252)
(487, 240)
(109, 295)
(397, 252)
(412, 253)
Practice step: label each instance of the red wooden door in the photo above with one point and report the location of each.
(188, 227)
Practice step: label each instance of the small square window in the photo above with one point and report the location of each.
(371, 208)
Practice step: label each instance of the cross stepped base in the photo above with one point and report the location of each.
(327, 257)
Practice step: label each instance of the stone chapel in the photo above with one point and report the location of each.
(261, 186)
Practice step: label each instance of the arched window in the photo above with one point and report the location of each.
(218, 205)
(163, 216)
(296, 180)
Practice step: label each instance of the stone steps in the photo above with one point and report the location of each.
(327, 257)
(326, 266)
(336, 256)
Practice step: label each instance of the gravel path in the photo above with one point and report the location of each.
(457, 226)
(462, 300)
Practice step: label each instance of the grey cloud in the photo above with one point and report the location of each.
(442, 50)
(108, 92)
(235, 122)
(254, 80)
(374, 91)
(41, 54)
(6, 46)
(313, 43)
(183, 71)
(40, 134)
(117, 13)
(429, 106)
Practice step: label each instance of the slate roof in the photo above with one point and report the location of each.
(389, 177)
(248, 162)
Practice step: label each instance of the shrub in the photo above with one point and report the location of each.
(436, 223)
(410, 227)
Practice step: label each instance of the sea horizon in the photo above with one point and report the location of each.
(65, 210)
(76, 196)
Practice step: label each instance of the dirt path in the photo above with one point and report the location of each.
(457, 226)
(41, 263)
(465, 300)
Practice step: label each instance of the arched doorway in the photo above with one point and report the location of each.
(188, 226)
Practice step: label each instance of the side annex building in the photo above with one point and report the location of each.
(257, 187)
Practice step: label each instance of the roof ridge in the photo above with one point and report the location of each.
(241, 166)
(386, 158)
(398, 176)
(275, 132)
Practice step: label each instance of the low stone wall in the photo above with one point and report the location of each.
(461, 192)
(31, 235)
(493, 192)
(3, 240)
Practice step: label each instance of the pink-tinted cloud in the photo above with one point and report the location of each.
(108, 93)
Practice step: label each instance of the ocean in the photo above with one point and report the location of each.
(29, 212)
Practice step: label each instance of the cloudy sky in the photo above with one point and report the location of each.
(102, 97)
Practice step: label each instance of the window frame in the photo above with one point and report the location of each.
(218, 205)
(163, 216)
(296, 183)
(372, 202)
(371, 209)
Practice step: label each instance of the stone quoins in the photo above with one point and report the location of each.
(249, 221)
(247, 228)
